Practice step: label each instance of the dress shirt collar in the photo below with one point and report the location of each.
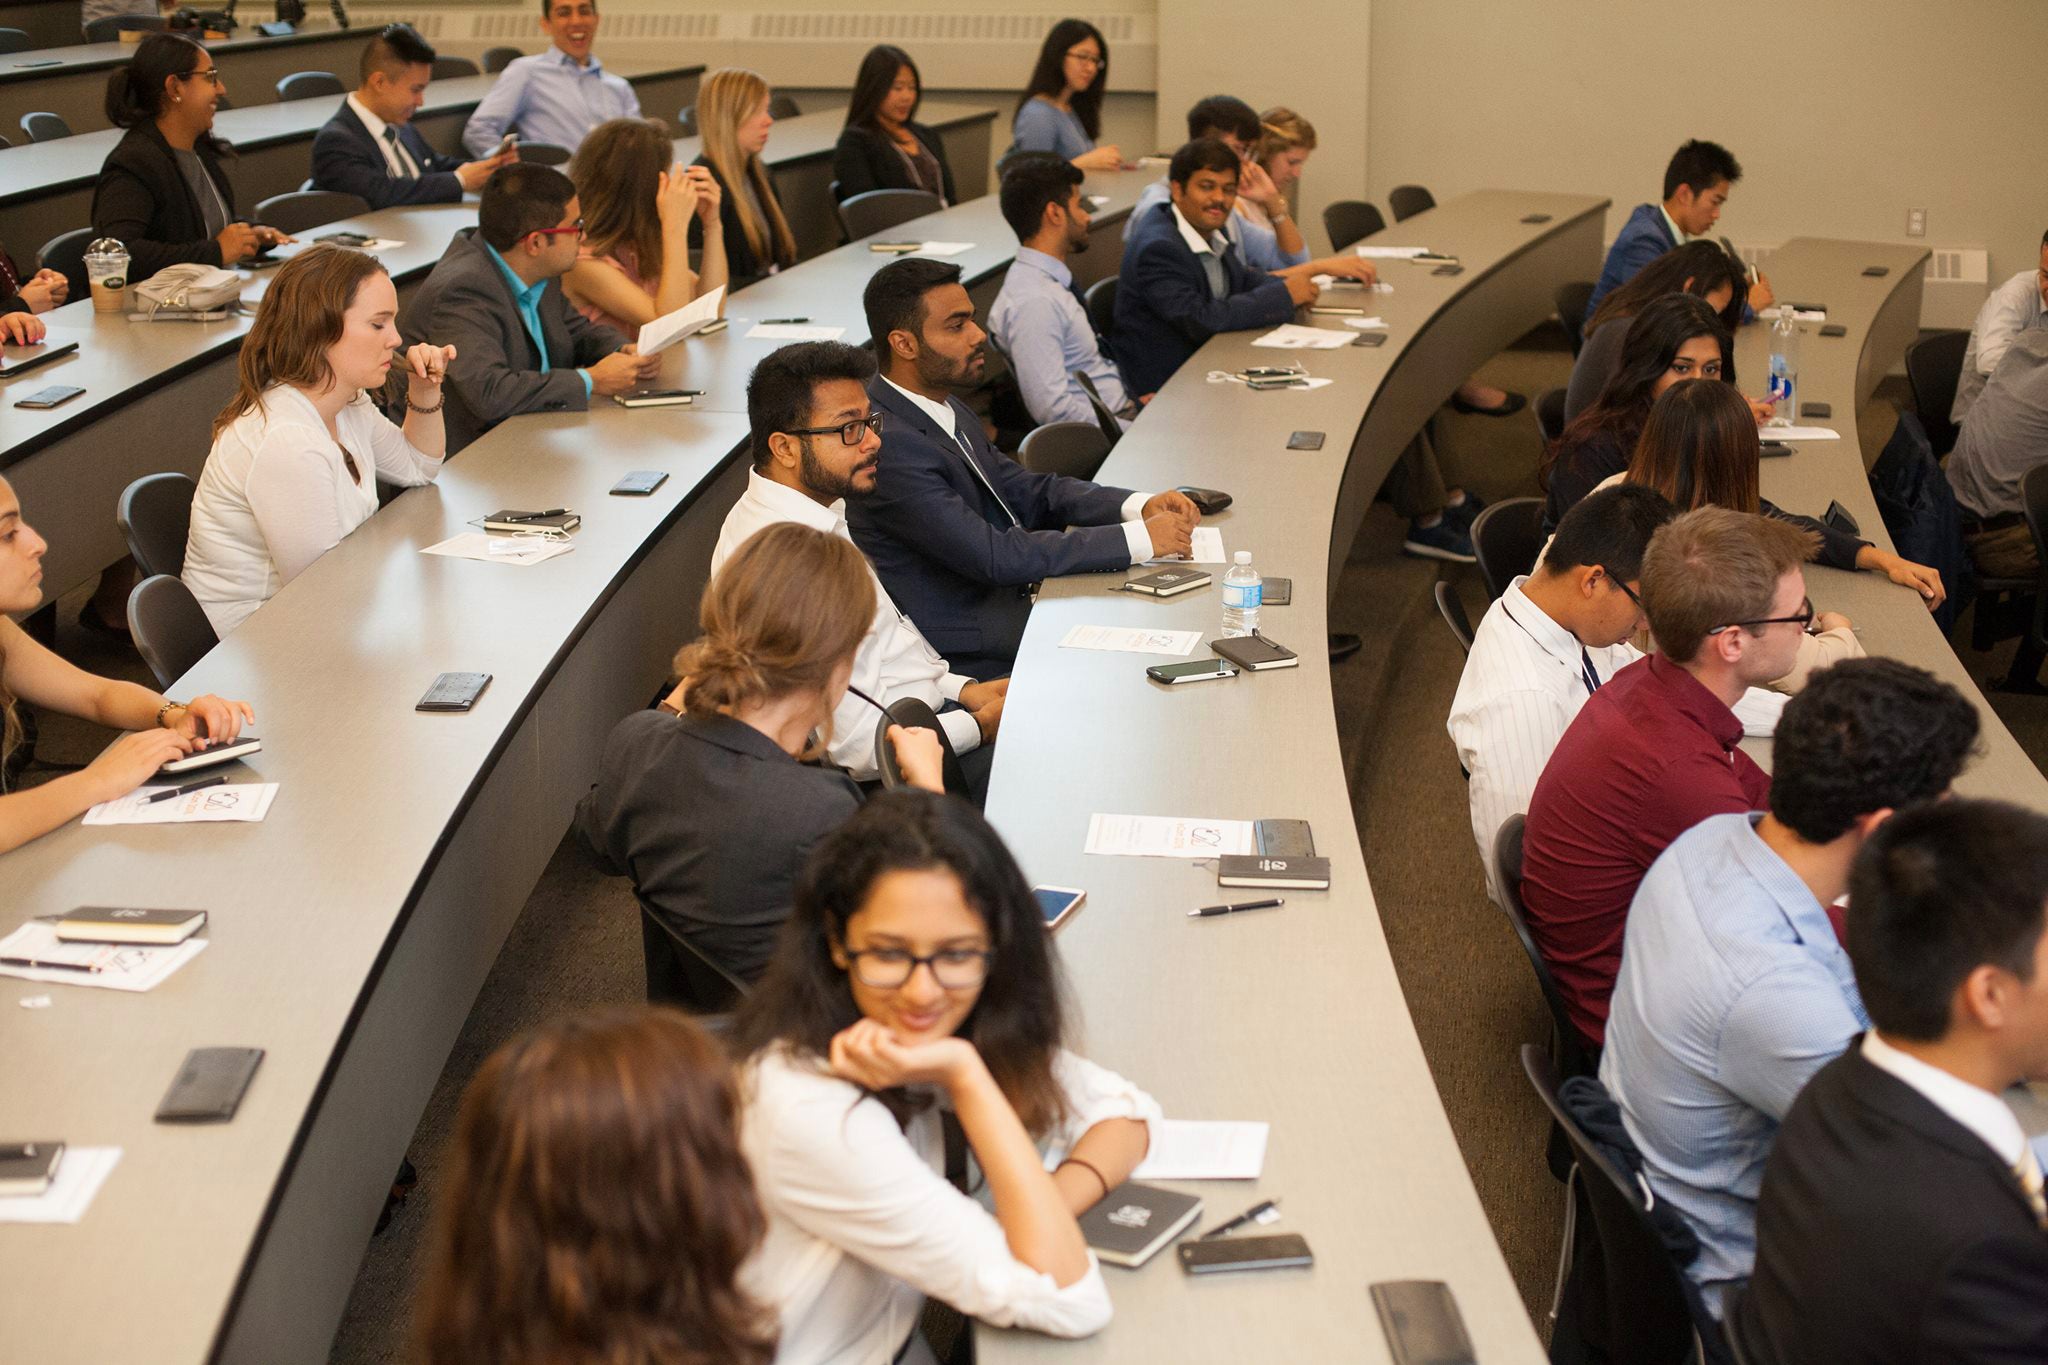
(1555, 640)
(783, 503)
(557, 57)
(1671, 224)
(1808, 918)
(374, 124)
(1983, 1113)
(1033, 259)
(1690, 698)
(526, 295)
(1213, 244)
(941, 413)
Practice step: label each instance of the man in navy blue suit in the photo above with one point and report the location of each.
(959, 532)
(370, 148)
(1696, 185)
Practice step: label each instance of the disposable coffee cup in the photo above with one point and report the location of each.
(106, 269)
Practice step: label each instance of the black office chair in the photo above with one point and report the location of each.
(1453, 608)
(4, 144)
(2025, 673)
(496, 59)
(1351, 220)
(169, 627)
(44, 127)
(299, 210)
(1075, 449)
(1099, 299)
(65, 254)
(1571, 311)
(686, 121)
(13, 40)
(863, 215)
(1731, 1298)
(453, 68)
(1575, 1053)
(1934, 366)
(1408, 200)
(110, 29)
(1507, 537)
(1629, 1296)
(310, 85)
(544, 153)
(909, 712)
(1550, 413)
(155, 515)
(1112, 428)
(679, 974)
(783, 106)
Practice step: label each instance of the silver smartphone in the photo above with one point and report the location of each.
(1198, 670)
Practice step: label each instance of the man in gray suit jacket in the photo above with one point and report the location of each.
(519, 346)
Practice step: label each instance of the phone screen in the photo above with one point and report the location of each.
(1055, 903)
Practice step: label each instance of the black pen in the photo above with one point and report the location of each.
(155, 797)
(47, 966)
(1257, 1213)
(783, 322)
(1208, 910)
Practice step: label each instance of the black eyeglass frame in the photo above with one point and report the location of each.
(930, 960)
(848, 432)
(1803, 620)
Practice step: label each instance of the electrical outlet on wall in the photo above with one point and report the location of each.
(1916, 222)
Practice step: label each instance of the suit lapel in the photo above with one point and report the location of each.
(903, 410)
(1891, 1099)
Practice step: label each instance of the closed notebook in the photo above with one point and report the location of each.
(511, 519)
(1255, 653)
(121, 924)
(1169, 582)
(1253, 869)
(1134, 1221)
(27, 1168)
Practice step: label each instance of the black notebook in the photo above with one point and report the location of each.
(123, 924)
(1255, 652)
(1253, 869)
(1169, 582)
(1134, 1221)
(511, 519)
(27, 1168)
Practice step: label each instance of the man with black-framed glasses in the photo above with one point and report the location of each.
(817, 441)
(496, 297)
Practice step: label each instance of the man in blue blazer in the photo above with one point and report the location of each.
(1696, 185)
(1183, 280)
(370, 148)
(959, 532)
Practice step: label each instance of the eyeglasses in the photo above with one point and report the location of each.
(575, 227)
(1087, 59)
(1802, 620)
(1615, 579)
(212, 73)
(852, 434)
(886, 969)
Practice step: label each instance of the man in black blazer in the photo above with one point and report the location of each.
(959, 532)
(1902, 1218)
(496, 298)
(370, 148)
(1183, 281)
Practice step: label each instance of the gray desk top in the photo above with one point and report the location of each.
(52, 61)
(811, 136)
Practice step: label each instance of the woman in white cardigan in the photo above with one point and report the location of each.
(914, 977)
(298, 449)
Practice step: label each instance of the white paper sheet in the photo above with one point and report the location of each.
(80, 1173)
(1208, 547)
(693, 317)
(941, 248)
(1132, 640)
(501, 549)
(1292, 336)
(1799, 434)
(1332, 282)
(1777, 311)
(1166, 836)
(1184, 1149)
(1392, 253)
(1367, 324)
(241, 801)
(119, 966)
(792, 331)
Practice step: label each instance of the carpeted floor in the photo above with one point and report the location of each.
(1468, 987)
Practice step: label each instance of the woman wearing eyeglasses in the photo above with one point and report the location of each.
(916, 977)
(1061, 111)
(162, 191)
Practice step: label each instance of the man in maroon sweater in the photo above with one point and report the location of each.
(1653, 752)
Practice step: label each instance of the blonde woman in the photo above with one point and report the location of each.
(297, 450)
(638, 212)
(733, 119)
(1285, 140)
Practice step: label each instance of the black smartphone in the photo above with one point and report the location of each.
(1816, 410)
(1422, 1323)
(1369, 339)
(1841, 519)
(1448, 270)
(1834, 329)
(1305, 440)
(454, 692)
(51, 397)
(1805, 307)
(1533, 218)
(639, 483)
(1775, 449)
(1276, 592)
(209, 1085)
(1296, 382)
(1220, 1254)
(1877, 272)
(1198, 670)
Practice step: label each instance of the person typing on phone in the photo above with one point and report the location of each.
(959, 531)
(370, 148)
(298, 449)
(159, 729)
(918, 979)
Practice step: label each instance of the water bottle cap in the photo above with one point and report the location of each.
(1242, 557)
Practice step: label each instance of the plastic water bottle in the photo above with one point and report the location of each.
(1243, 590)
(1784, 366)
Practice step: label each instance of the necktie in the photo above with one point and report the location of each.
(1588, 676)
(960, 435)
(2027, 1170)
(406, 169)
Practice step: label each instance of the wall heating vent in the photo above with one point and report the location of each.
(1959, 265)
(870, 27)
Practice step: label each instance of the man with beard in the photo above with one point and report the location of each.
(816, 443)
(958, 531)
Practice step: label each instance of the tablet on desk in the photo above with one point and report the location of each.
(11, 366)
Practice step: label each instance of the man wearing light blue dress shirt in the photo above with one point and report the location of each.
(557, 96)
(1734, 988)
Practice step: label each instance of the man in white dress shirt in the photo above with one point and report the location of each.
(1548, 644)
(2021, 303)
(802, 402)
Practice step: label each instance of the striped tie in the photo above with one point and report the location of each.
(2027, 1170)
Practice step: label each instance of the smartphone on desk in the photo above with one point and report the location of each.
(1055, 903)
(1222, 1254)
(54, 396)
(1197, 670)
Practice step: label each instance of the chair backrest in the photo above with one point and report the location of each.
(1933, 367)
(1100, 301)
(1112, 429)
(496, 59)
(1575, 1056)
(13, 40)
(1351, 220)
(880, 210)
(910, 712)
(44, 127)
(170, 628)
(1571, 310)
(1642, 1311)
(1075, 449)
(452, 68)
(783, 106)
(1453, 608)
(1507, 537)
(1408, 200)
(110, 28)
(4, 143)
(686, 121)
(155, 515)
(543, 153)
(65, 254)
(2034, 503)
(1550, 413)
(679, 974)
(298, 210)
(307, 85)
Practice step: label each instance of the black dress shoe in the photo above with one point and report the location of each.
(1509, 406)
(1343, 644)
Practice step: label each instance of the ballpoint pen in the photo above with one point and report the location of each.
(186, 790)
(1209, 910)
(536, 516)
(783, 322)
(1265, 1212)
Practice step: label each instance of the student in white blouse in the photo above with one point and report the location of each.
(297, 450)
(916, 976)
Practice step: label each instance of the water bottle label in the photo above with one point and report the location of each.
(1243, 596)
(1781, 383)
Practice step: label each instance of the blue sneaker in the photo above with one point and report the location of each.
(1446, 540)
(1463, 514)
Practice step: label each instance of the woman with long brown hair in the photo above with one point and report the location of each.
(1060, 110)
(598, 1207)
(297, 449)
(916, 966)
(733, 121)
(159, 729)
(634, 262)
